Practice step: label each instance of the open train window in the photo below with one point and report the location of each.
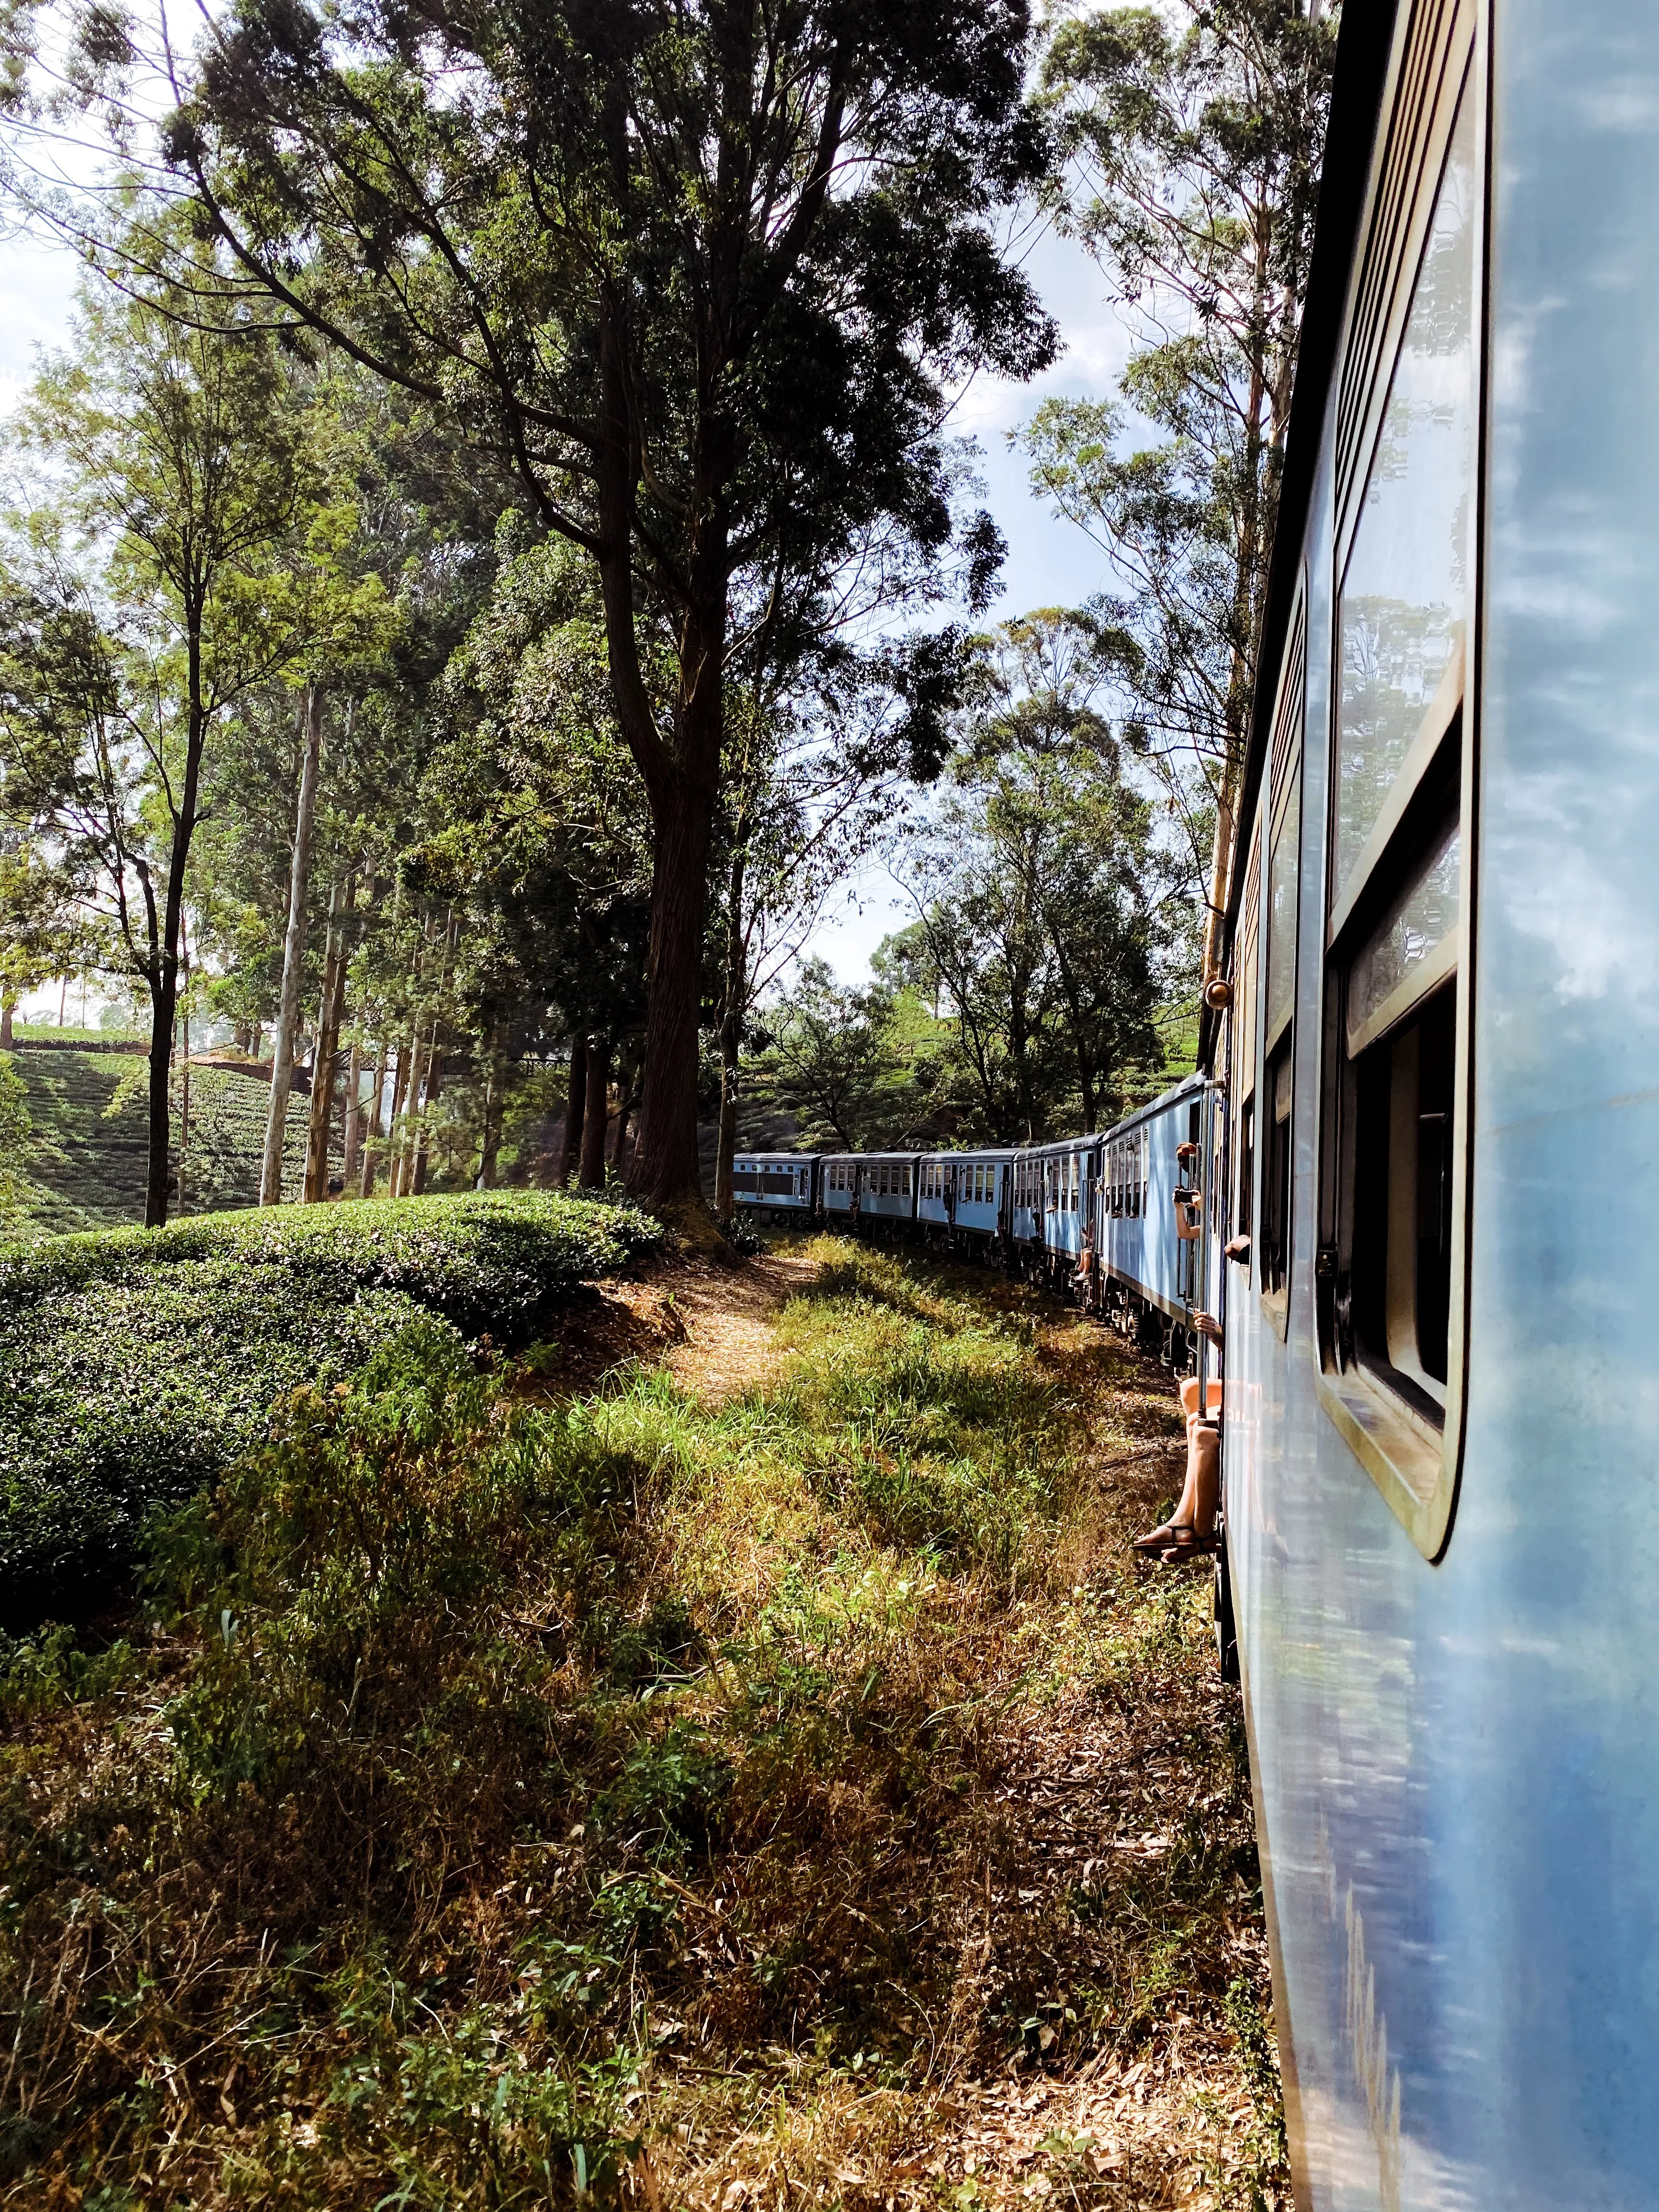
(1281, 917)
(1391, 1185)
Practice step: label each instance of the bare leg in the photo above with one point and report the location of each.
(1200, 1492)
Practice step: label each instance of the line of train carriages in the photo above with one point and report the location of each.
(1118, 1221)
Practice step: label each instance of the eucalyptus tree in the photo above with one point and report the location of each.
(703, 276)
(149, 595)
(1193, 135)
(1048, 917)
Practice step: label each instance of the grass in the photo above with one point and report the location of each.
(503, 1800)
(135, 1365)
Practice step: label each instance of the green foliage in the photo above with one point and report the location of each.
(1046, 923)
(833, 1056)
(15, 1127)
(135, 1365)
(1195, 135)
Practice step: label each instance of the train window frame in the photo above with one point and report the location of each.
(1272, 1244)
(1244, 1054)
(1404, 1424)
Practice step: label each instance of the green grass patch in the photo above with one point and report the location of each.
(136, 1364)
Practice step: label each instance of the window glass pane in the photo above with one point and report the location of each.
(1416, 926)
(1405, 592)
(1281, 905)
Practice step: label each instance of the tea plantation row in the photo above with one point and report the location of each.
(136, 1364)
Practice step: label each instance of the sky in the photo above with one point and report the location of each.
(1049, 562)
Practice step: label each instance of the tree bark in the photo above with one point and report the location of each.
(575, 1104)
(354, 1120)
(495, 1080)
(665, 1167)
(627, 1102)
(737, 969)
(400, 1101)
(407, 1140)
(434, 1084)
(294, 946)
(372, 1131)
(329, 1014)
(164, 966)
(596, 1113)
(8, 1008)
(682, 778)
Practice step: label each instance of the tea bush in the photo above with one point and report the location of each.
(136, 1364)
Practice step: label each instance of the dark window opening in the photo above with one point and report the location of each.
(1275, 1238)
(1399, 1276)
(1246, 1167)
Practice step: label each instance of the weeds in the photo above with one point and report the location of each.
(505, 1803)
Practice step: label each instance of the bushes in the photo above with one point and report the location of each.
(135, 1365)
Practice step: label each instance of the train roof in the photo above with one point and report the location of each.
(792, 1157)
(973, 1152)
(1190, 1086)
(1362, 65)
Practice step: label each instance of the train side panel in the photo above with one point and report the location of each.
(1456, 1740)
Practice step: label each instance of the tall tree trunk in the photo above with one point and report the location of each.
(625, 1083)
(495, 1085)
(682, 778)
(329, 1014)
(434, 1084)
(399, 1105)
(736, 976)
(665, 1170)
(353, 1119)
(575, 1106)
(164, 976)
(294, 946)
(405, 1146)
(372, 1130)
(596, 1113)
(8, 1008)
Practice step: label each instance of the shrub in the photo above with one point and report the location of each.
(136, 1364)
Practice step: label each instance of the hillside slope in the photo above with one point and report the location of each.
(89, 1144)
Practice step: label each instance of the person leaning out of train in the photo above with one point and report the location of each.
(1190, 1531)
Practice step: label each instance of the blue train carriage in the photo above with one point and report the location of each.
(862, 1187)
(1061, 1209)
(964, 1199)
(838, 1187)
(1442, 1059)
(1153, 1221)
(777, 1186)
(887, 1190)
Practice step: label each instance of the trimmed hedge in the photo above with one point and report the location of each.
(136, 1364)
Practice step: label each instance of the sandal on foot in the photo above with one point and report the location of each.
(1188, 1545)
(1156, 1538)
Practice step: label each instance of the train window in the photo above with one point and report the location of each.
(1387, 1303)
(1395, 1313)
(1242, 1069)
(1281, 904)
(1403, 615)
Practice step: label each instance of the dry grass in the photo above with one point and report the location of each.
(686, 1795)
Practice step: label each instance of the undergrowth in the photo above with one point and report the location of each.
(502, 1803)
